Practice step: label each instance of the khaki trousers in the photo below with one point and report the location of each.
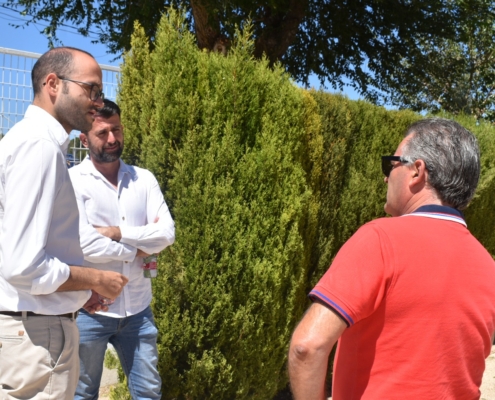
(39, 358)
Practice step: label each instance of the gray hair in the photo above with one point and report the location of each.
(451, 155)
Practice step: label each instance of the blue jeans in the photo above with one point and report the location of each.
(134, 339)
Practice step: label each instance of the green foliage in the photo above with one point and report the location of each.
(265, 182)
(119, 391)
(360, 40)
(479, 215)
(135, 82)
(352, 190)
(227, 140)
(455, 74)
(111, 360)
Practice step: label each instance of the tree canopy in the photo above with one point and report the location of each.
(362, 40)
(456, 75)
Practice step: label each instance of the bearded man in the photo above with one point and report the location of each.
(123, 218)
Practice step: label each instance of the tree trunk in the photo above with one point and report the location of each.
(207, 28)
(280, 30)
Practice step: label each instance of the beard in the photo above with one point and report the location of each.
(101, 156)
(71, 113)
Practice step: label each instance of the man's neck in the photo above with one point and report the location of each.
(425, 197)
(109, 170)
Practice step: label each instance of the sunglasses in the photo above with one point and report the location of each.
(390, 162)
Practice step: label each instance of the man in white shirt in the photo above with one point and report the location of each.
(123, 217)
(42, 284)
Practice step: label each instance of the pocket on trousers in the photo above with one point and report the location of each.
(8, 351)
(56, 344)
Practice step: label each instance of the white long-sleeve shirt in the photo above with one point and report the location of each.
(39, 231)
(133, 206)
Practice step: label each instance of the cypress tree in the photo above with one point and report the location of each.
(265, 182)
(228, 142)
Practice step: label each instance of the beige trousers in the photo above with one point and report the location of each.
(39, 358)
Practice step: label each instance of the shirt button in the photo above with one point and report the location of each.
(123, 218)
(126, 262)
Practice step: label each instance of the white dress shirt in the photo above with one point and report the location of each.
(39, 230)
(133, 206)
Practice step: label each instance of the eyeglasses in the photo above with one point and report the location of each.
(94, 90)
(387, 165)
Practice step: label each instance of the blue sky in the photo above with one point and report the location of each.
(31, 39)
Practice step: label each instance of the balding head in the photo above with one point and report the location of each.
(58, 61)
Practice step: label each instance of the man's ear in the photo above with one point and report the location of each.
(84, 139)
(419, 174)
(52, 83)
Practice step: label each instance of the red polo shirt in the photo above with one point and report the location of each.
(418, 294)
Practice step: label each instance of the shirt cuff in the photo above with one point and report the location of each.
(315, 294)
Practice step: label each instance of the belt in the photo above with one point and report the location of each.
(32, 314)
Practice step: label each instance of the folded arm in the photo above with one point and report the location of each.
(159, 233)
(98, 247)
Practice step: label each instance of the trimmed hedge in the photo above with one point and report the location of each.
(265, 182)
(228, 140)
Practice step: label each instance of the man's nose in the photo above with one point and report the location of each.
(111, 137)
(98, 102)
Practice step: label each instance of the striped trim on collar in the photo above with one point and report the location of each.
(439, 212)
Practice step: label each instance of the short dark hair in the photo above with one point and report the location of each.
(58, 60)
(109, 109)
(451, 155)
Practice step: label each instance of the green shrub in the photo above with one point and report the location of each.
(265, 182)
(352, 190)
(228, 140)
(479, 215)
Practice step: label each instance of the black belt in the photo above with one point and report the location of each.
(32, 314)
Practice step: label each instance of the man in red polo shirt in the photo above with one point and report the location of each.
(410, 298)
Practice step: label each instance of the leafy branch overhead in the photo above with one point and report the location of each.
(330, 38)
(455, 75)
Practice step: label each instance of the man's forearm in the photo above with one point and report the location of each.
(112, 232)
(307, 371)
(310, 346)
(106, 283)
(80, 278)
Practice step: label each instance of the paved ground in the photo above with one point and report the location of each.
(488, 385)
(109, 378)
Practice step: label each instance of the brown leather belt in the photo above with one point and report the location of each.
(32, 314)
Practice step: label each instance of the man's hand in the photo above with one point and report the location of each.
(93, 305)
(112, 232)
(110, 284)
(107, 283)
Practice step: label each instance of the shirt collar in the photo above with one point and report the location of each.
(56, 131)
(439, 212)
(87, 167)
